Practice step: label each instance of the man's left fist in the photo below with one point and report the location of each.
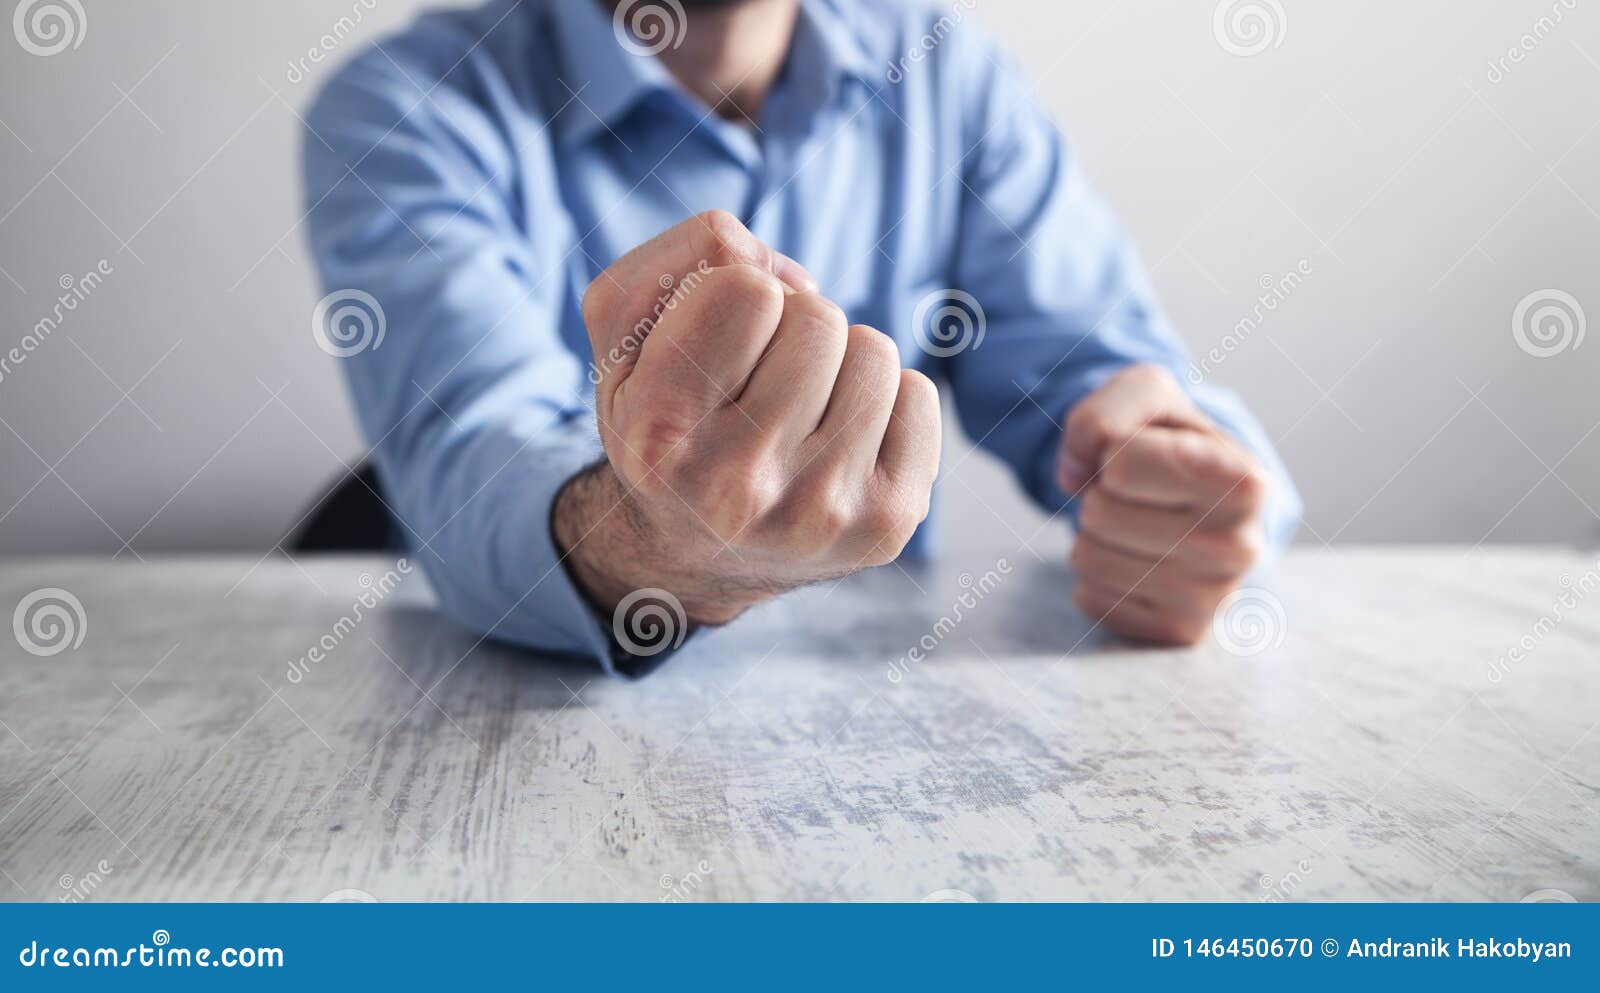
(1170, 508)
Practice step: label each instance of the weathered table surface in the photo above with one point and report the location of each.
(1378, 735)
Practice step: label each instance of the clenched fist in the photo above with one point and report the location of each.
(1170, 513)
(755, 440)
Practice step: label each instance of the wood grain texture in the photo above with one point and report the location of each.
(1369, 755)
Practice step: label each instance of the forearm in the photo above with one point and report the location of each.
(476, 499)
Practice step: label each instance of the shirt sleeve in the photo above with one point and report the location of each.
(1065, 299)
(445, 317)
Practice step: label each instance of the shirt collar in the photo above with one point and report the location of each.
(605, 80)
(828, 48)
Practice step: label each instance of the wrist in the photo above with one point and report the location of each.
(611, 548)
(593, 517)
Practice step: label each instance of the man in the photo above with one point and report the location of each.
(748, 232)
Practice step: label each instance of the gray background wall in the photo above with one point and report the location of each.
(184, 405)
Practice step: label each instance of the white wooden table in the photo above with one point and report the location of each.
(1365, 752)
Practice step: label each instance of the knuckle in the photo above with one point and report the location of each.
(885, 551)
(878, 360)
(891, 520)
(1081, 557)
(1088, 601)
(919, 390)
(817, 312)
(1244, 548)
(749, 291)
(1253, 544)
(1120, 471)
(598, 303)
(1092, 510)
(735, 495)
(833, 517)
(728, 240)
(1251, 489)
(890, 528)
(652, 441)
(1151, 374)
(1089, 421)
(1175, 630)
(874, 347)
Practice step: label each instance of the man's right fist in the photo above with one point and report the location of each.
(756, 440)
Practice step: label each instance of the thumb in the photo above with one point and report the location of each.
(630, 289)
(1132, 399)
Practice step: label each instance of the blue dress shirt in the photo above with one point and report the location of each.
(471, 175)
